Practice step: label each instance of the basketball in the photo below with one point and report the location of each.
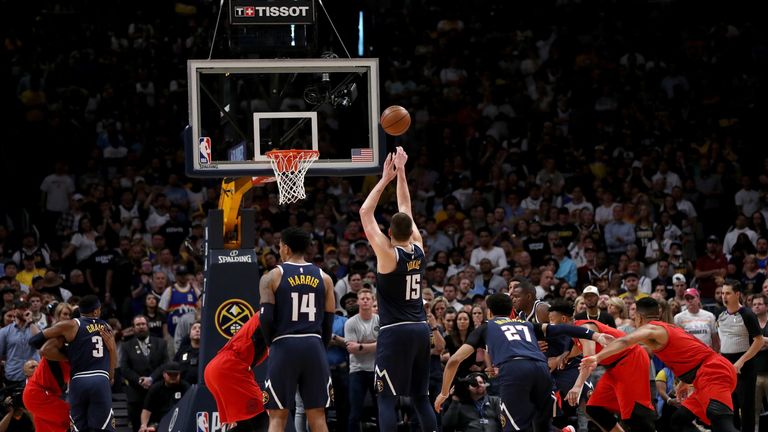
(395, 120)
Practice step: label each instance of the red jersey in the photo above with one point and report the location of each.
(246, 344)
(683, 352)
(602, 328)
(45, 376)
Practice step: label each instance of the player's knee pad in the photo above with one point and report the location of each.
(682, 420)
(602, 417)
(643, 419)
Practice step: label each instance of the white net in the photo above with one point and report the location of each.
(290, 166)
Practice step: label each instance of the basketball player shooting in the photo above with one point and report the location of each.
(402, 350)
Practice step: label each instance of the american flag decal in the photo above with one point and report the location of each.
(362, 155)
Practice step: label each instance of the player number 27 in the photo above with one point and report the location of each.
(511, 332)
(98, 346)
(412, 287)
(303, 303)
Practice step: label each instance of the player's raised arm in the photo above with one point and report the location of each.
(403, 193)
(379, 242)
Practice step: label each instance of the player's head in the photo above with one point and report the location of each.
(560, 311)
(499, 304)
(90, 306)
(401, 227)
(293, 241)
(524, 293)
(647, 309)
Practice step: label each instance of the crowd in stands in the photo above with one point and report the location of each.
(575, 144)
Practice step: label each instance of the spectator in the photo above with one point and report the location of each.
(30, 248)
(566, 269)
(188, 355)
(710, 266)
(14, 344)
(632, 286)
(83, 242)
(449, 293)
(157, 320)
(591, 297)
(100, 269)
(338, 361)
(747, 199)
(361, 332)
(487, 282)
(162, 396)
(618, 234)
(141, 364)
(29, 272)
(179, 299)
(761, 359)
(698, 322)
(740, 227)
(486, 249)
(457, 334)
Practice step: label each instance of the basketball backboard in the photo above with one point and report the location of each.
(240, 109)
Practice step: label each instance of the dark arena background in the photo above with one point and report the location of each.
(595, 152)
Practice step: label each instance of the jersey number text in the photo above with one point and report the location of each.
(303, 304)
(412, 286)
(98, 348)
(511, 332)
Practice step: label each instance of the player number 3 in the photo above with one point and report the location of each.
(98, 350)
(412, 287)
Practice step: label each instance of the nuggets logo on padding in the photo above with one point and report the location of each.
(231, 316)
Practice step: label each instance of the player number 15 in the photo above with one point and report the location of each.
(412, 286)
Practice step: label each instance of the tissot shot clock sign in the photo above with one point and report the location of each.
(245, 12)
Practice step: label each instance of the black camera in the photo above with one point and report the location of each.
(13, 397)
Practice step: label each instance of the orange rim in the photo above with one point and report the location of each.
(286, 159)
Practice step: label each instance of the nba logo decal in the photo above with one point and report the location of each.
(202, 421)
(205, 150)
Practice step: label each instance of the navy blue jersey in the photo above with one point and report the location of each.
(87, 351)
(506, 339)
(299, 300)
(399, 292)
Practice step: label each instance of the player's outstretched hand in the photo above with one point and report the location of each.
(604, 339)
(389, 172)
(573, 396)
(401, 157)
(588, 363)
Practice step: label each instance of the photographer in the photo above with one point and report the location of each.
(14, 344)
(15, 418)
(472, 409)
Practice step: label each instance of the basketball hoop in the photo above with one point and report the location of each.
(290, 166)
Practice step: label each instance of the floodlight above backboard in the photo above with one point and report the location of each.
(241, 109)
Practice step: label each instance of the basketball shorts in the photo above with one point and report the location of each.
(525, 389)
(715, 380)
(50, 412)
(297, 361)
(402, 359)
(233, 386)
(624, 384)
(90, 402)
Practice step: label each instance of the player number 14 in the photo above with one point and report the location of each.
(412, 286)
(511, 332)
(303, 304)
